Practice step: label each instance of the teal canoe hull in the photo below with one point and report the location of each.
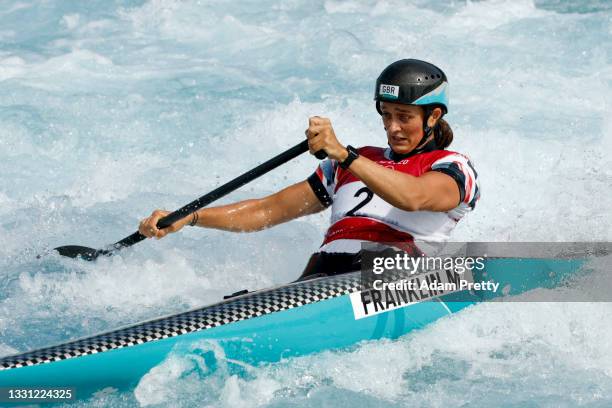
(327, 324)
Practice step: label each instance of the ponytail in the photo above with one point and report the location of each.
(443, 134)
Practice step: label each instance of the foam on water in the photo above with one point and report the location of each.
(111, 109)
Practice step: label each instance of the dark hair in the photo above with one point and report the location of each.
(443, 134)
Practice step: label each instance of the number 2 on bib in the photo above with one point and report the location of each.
(368, 197)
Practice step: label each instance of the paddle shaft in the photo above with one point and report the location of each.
(221, 191)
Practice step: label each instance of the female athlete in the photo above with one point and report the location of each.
(413, 190)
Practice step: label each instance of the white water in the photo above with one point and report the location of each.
(111, 109)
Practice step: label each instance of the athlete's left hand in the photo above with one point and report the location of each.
(321, 136)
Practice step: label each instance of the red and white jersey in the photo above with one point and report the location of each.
(359, 215)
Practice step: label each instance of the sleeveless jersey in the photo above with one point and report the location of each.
(359, 215)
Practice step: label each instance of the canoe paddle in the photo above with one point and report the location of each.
(90, 254)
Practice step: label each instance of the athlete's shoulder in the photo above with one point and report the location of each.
(453, 153)
(440, 156)
(459, 167)
(440, 153)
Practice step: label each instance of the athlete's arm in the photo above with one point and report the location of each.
(433, 191)
(257, 214)
(244, 216)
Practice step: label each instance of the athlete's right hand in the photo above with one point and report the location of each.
(148, 226)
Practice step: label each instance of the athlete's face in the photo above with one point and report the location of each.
(404, 126)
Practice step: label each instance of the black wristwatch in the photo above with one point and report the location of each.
(352, 155)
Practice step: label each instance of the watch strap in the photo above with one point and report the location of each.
(352, 155)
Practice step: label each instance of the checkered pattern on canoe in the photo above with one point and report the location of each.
(228, 311)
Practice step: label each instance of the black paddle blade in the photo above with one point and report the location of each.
(77, 251)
